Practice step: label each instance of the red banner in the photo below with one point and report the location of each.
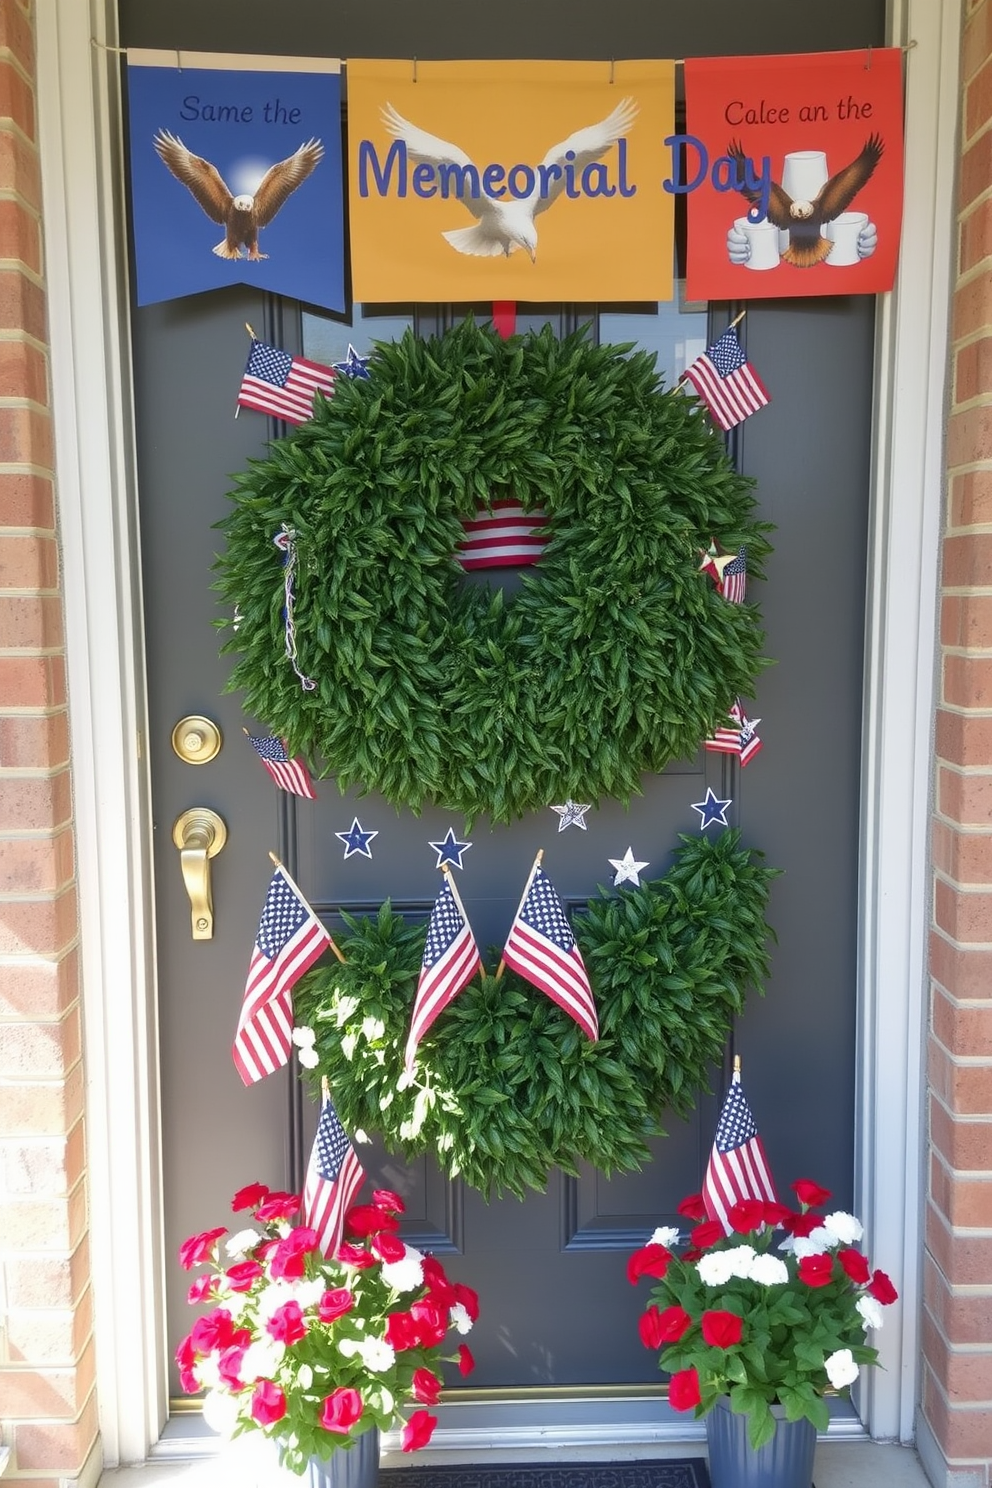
(792, 166)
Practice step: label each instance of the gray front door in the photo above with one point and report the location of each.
(557, 1309)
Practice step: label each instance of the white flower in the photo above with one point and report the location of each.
(459, 1318)
(348, 1346)
(715, 1269)
(741, 1260)
(309, 1293)
(377, 1355)
(236, 1303)
(407, 1274)
(261, 1359)
(304, 1037)
(274, 1296)
(667, 1235)
(220, 1411)
(809, 1245)
(208, 1371)
(847, 1229)
(841, 1368)
(309, 1058)
(871, 1312)
(242, 1242)
(768, 1270)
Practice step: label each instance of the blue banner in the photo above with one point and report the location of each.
(236, 177)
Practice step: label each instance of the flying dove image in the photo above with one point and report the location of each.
(504, 224)
(244, 215)
(804, 219)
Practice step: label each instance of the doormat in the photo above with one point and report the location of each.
(666, 1472)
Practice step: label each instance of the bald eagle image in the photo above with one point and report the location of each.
(240, 216)
(803, 219)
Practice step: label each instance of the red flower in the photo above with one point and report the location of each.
(384, 1198)
(278, 1206)
(203, 1289)
(418, 1431)
(683, 1390)
(426, 1386)
(335, 1304)
(366, 1219)
(721, 1329)
(215, 1330)
(469, 1299)
(747, 1215)
(198, 1247)
(186, 1353)
(650, 1260)
(286, 1324)
(431, 1321)
(816, 1270)
(248, 1197)
(649, 1327)
(354, 1255)
(402, 1331)
(855, 1264)
(341, 1410)
(694, 1207)
(268, 1403)
(387, 1247)
(810, 1193)
(803, 1224)
(674, 1322)
(776, 1214)
(439, 1287)
(691, 1255)
(188, 1382)
(288, 1257)
(229, 1367)
(881, 1289)
(707, 1233)
(241, 1276)
(465, 1361)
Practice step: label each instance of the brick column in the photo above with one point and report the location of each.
(955, 1435)
(47, 1372)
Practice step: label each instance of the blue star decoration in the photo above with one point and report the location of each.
(450, 850)
(353, 364)
(712, 812)
(356, 841)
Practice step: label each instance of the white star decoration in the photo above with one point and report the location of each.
(572, 815)
(628, 870)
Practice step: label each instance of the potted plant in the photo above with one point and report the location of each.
(318, 1353)
(757, 1325)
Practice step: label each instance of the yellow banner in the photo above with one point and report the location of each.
(510, 180)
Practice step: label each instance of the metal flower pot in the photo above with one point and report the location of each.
(347, 1467)
(784, 1462)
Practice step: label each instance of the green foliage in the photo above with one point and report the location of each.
(506, 1085)
(616, 657)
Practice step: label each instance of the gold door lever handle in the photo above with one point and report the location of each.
(199, 835)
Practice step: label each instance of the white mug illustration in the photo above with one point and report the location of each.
(809, 211)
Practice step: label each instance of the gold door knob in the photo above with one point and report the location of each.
(196, 740)
(199, 835)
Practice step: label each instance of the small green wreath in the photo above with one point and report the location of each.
(506, 1086)
(617, 655)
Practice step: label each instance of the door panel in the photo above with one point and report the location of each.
(798, 801)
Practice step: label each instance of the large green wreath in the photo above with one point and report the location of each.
(506, 1086)
(616, 656)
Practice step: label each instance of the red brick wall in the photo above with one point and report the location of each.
(47, 1371)
(957, 1321)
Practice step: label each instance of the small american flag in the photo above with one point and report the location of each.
(283, 385)
(334, 1176)
(289, 774)
(738, 1168)
(542, 948)
(739, 739)
(505, 536)
(726, 381)
(733, 585)
(289, 940)
(451, 959)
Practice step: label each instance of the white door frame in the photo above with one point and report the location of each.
(86, 272)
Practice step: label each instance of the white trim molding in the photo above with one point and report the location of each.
(78, 92)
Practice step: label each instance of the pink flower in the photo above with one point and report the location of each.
(288, 1257)
(650, 1260)
(366, 1219)
(241, 1276)
(418, 1431)
(881, 1289)
(694, 1207)
(683, 1390)
(354, 1255)
(203, 1289)
(721, 1329)
(747, 1215)
(215, 1330)
(816, 1270)
(465, 1361)
(855, 1264)
(278, 1206)
(341, 1410)
(810, 1193)
(186, 1353)
(335, 1304)
(229, 1367)
(286, 1324)
(707, 1233)
(387, 1247)
(385, 1198)
(426, 1386)
(268, 1403)
(248, 1197)
(199, 1247)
